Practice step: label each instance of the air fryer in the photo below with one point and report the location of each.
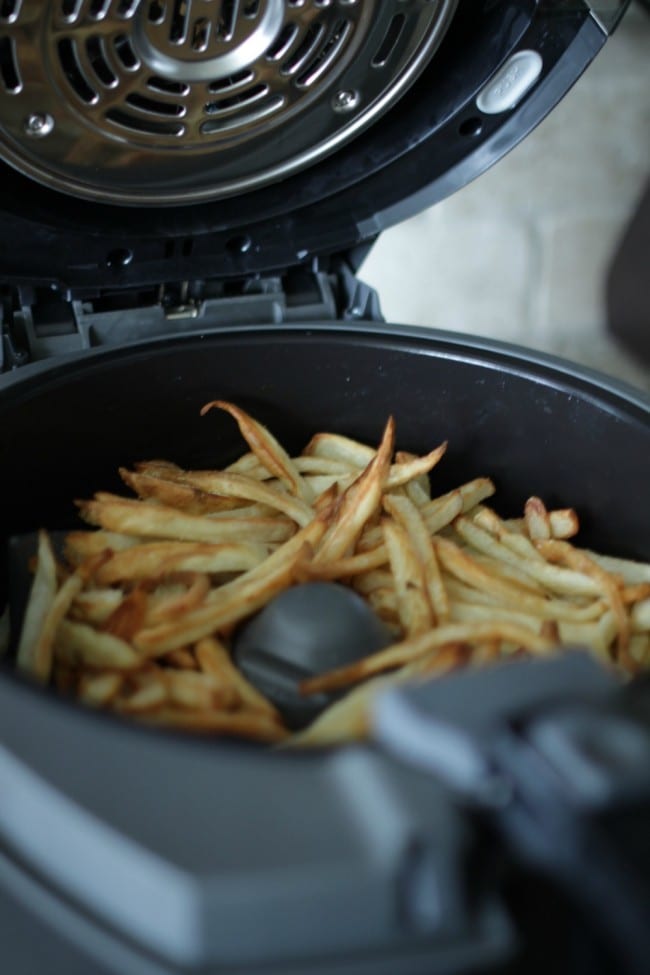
(187, 190)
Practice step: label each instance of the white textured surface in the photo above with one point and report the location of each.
(520, 254)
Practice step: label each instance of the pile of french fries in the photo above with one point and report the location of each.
(139, 615)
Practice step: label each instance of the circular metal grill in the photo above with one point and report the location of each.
(173, 101)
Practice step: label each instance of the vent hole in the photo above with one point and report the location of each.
(70, 8)
(125, 52)
(227, 19)
(326, 55)
(285, 39)
(126, 7)
(74, 74)
(154, 106)
(201, 34)
(170, 247)
(9, 66)
(148, 126)
(389, 42)
(188, 247)
(239, 245)
(9, 10)
(168, 87)
(234, 81)
(178, 27)
(120, 257)
(252, 9)
(471, 126)
(100, 64)
(305, 49)
(99, 8)
(156, 12)
(225, 104)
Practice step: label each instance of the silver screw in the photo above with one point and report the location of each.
(345, 100)
(39, 124)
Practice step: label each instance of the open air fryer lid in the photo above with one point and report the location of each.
(149, 142)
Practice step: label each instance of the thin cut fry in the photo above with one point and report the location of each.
(415, 647)
(32, 657)
(265, 447)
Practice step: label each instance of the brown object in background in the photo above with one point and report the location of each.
(628, 285)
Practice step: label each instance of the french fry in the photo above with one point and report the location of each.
(411, 649)
(34, 655)
(127, 618)
(97, 689)
(413, 605)
(157, 559)
(158, 521)
(359, 502)
(80, 546)
(411, 518)
(240, 724)
(234, 600)
(537, 519)
(265, 447)
(213, 658)
(80, 645)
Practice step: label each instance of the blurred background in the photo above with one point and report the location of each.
(522, 254)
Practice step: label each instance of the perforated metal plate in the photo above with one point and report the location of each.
(172, 101)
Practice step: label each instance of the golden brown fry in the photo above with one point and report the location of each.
(241, 724)
(99, 689)
(158, 521)
(176, 605)
(557, 551)
(174, 493)
(125, 621)
(411, 649)
(413, 605)
(95, 606)
(265, 447)
(31, 657)
(537, 519)
(183, 659)
(77, 644)
(234, 600)
(213, 658)
(80, 546)
(411, 518)
(239, 486)
(359, 502)
(152, 560)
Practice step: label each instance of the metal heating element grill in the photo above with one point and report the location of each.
(172, 101)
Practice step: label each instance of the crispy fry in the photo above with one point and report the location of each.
(413, 605)
(40, 601)
(359, 502)
(98, 690)
(265, 447)
(127, 618)
(213, 658)
(77, 644)
(558, 551)
(234, 600)
(157, 559)
(410, 517)
(415, 647)
(158, 521)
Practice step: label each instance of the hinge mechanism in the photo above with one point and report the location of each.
(38, 323)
